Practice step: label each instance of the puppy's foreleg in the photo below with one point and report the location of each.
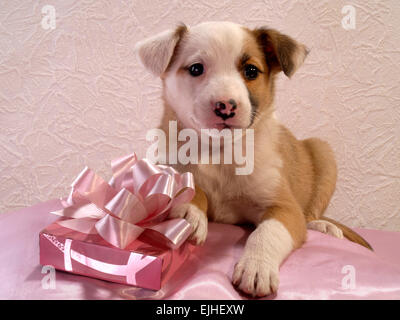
(281, 230)
(195, 213)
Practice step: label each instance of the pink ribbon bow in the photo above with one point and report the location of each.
(136, 200)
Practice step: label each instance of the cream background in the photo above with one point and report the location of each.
(76, 95)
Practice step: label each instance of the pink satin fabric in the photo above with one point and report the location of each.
(311, 272)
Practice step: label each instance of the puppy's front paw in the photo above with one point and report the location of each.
(256, 276)
(197, 219)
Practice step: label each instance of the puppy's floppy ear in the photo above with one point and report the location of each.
(156, 52)
(282, 53)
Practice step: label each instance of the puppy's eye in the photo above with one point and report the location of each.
(196, 69)
(251, 72)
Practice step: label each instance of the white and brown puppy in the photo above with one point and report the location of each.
(221, 75)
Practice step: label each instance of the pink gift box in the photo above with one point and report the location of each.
(120, 231)
(140, 264)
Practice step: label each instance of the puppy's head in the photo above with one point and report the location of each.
(220, 74)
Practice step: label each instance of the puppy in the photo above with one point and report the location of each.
(221, 75)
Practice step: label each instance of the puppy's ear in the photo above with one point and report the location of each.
(156, 52)
(282, 53)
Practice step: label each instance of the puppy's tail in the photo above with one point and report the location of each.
(349, 234)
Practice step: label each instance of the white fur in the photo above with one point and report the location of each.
(155, 52)
(196, 218)
(239, 199)
(257, 272)
(218, 46)
(325, 227)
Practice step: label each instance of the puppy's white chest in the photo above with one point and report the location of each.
(237, 198)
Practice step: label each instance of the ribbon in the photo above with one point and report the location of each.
(135, 263)
(135, 201)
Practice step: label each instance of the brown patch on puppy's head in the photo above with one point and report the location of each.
(260, 87)
(282, 53)
(269, 52)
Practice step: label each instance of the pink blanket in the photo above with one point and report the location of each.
(324, 268)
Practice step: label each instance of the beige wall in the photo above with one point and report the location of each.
(76, 96)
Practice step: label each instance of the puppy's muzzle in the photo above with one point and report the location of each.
(225, 109)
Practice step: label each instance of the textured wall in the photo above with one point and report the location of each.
(76, 95)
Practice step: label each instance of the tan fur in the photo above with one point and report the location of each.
(200, 199)
(349, 234)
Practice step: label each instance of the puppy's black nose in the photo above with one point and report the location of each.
(225, 109)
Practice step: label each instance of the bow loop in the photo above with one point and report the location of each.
(136, 201)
